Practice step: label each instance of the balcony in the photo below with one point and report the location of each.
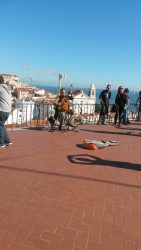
(37, 114)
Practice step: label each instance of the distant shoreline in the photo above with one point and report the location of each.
(133, 95)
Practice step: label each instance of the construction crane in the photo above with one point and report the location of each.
(28, 79)
(59, 75)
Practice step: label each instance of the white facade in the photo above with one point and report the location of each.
(10, 78)
(40, 92)
(23, 112)
(85, 104)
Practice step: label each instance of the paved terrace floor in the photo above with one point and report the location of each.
(55, 195)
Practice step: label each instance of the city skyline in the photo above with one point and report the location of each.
(89, 41)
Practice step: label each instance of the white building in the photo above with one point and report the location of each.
(10, 78)
(23, 112)
(83, 103)
(40, 92)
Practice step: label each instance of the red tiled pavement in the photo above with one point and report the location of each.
(55, 195)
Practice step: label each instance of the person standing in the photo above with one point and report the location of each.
(125, 112)
(121, 101)
(138, 102)
(5, 108)
(104, 97)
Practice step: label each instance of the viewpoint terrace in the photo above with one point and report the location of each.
(55, 195)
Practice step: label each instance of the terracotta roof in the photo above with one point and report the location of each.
(24, 89)
(77, 92)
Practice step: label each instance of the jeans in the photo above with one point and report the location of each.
(4, 138)
(125, 115)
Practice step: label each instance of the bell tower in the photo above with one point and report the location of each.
(92, 92)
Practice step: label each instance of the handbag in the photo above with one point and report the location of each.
(114, 108)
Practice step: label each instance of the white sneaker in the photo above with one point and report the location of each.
(8, 144)
(2, 146)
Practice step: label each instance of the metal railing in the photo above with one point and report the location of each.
(37, 114)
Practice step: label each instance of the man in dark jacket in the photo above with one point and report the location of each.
(104, 97)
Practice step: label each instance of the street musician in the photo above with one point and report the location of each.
(63, 111)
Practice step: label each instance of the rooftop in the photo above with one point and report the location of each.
(56, 195)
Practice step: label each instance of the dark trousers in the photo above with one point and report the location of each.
(4, 138)
(118, 115)
(103, 113)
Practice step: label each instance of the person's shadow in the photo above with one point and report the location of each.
(129, 133)
(85, 159)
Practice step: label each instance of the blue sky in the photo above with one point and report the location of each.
(91, 41)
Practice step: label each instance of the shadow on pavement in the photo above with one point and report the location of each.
(70, 176)
(94, 160)
(112, 133)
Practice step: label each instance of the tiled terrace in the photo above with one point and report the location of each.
(55, 195)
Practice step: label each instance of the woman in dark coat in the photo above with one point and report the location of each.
(121, 101)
